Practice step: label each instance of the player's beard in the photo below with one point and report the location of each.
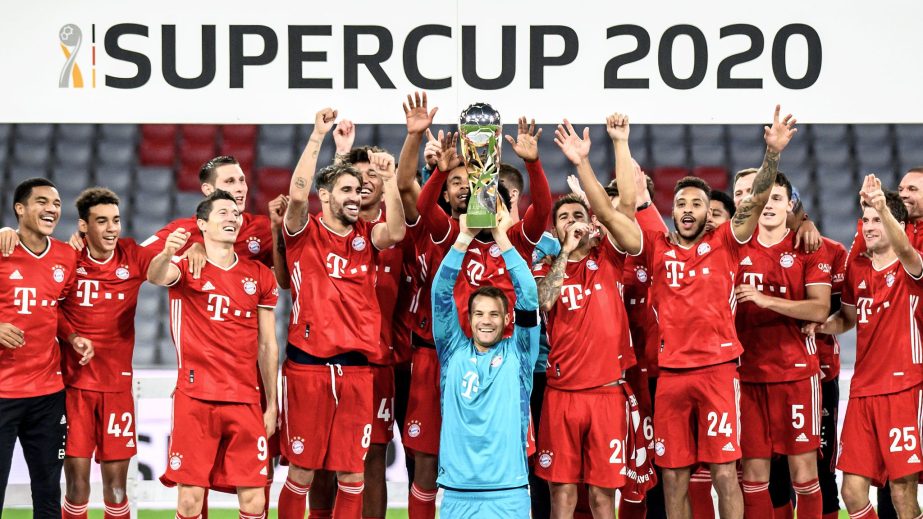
(692, 234)
(339, 212)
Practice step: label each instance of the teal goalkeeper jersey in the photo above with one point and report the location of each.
(485, 396)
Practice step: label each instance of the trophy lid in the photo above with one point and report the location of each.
(479, 114)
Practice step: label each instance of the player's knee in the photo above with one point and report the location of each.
(903, 490)
(675, 479)
(77, 489)
(854, 496)
(115, 493)
(350, 477)
(601, 497)
(724, 478)
(251, 501)
(189, 503)
(300, 475)
(564, 495)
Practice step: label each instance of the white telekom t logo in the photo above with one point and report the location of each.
(24, 297)
(570, 294)
(88, 288)
(470, 383)
(864, 309)
(475, 272)
(755, 279)
(675, 272)
(218, 304)
(336, 264)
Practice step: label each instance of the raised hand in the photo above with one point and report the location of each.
(415, 109)
(431, 149)
(176, 240)
(504, 220)
(323, 120)
(573, 182)
(526, 143)
(872, 194)
(574, 234)
(463, 229)
(383, 163)
(617, 127)
(780, 133)
(573, 147)
(447, 157)
(277, 208)
(344, 136)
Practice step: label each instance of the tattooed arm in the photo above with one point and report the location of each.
(296, 217)
(549, 287)
(748, 211)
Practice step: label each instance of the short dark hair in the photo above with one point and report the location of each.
(570, 198)
(209, 171)
(695, 182)
(512, 177)
(328, 176)
(782, 180)
(492, 292)
(361, 154)
(93, 197)
(918, 169)
(745, 172)
(205, 206)
(612, 188)
(24, 190)
(726, 201)
(895, 205)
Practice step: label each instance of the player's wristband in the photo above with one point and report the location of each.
(525, 318)
(464, 240)
(644, 206)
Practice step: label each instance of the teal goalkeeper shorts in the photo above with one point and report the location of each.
(513, 503)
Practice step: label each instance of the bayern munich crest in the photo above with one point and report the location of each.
(249, 286)
(641, 273)
(359, 243)
(591, 264)
(413, 430)
(122, 272)
(544, 459)
(494, 250)
(57, 272)
(176, 461)
(496, 361)
(253, 245)
(889, 279)
(297, 445)
(659, 447)
(787, 260)
(703, 249)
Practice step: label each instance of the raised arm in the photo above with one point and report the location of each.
(622, 228)
(162, 270)
(299, 190)
(392, 230)
(874, 196)
(277, 209)
(447, 332)
(434, 219)
(625, 179)
(525, 146)
(748, 211)
(268, 361)
(418, 123)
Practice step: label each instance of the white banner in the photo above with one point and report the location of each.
(673, 61)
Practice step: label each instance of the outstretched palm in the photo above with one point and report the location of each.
(573, 147)
(419, 118)
(872, 194)
(526, 143)
(447, 156)
(781, 132)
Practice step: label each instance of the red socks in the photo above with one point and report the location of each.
(810, 501)
(757, 501)
(349, 500)
(181, 516)
(293, 500)
(421, 504)
(242, 515)
(785, 511)
(117, 510)
(632, 508)
(700, 494)
(866, 513)
(74, 511)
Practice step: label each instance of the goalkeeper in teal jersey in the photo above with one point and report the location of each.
(486, 384)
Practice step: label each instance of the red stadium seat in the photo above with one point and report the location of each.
(187, 178)
(244, 153)
(196, 154)
(156, 153)
(199, 133)
(665, 177)
(273, 181)
(239, 134)
(716, 176)
(158, 132)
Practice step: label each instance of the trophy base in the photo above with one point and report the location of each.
(481, 221)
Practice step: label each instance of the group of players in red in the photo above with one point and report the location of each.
(710, 349)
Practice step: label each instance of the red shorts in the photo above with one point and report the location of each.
(424, 414)
(780, 418)
(583, 436)
(382, 404)
(697, 416)
(881, 436)
(326, 416)
(220, 444)
(99, 422)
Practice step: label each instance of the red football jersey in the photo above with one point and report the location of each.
(102, 308)
(254, 240)
(889, 353)
(828, 347)
(914, 231)
(591, 299)
(32, 286)
(775, 350)
(693, 295)
(642, 322)
(388, 282)
(215, 327)
(334, 303)
(428, 256)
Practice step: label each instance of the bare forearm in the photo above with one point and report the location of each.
(279, 266)
(625, 178)
(749, 209)
(158, 272)
(303, 177)
(269, 367)
(409, 161)
(836, 324)
(595, 192)
(395, 211)
(811, 310)
(549, 287)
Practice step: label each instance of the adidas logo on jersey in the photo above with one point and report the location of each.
(15, 275)
(670, 253)
(747, 262)
(131, 443)
(862, 284)
(81, 271)
(729, 447)
(802, 438)
(913, 459)
(63, 419)
(208, 286)
(263, 471)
